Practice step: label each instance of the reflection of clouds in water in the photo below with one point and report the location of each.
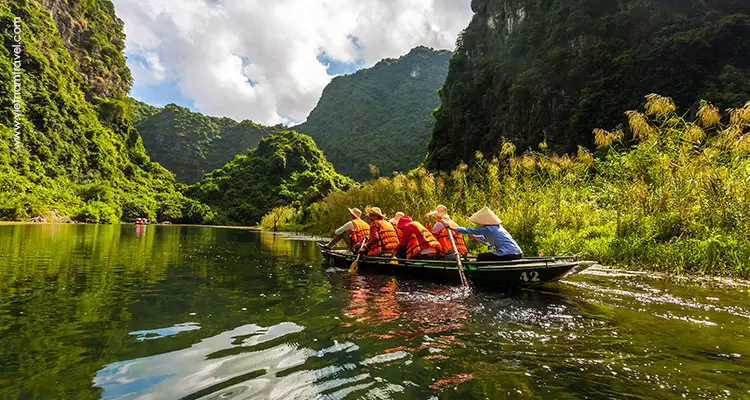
(164, 332)
(235, 365)
(180, 373)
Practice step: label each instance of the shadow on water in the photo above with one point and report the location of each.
(121, 312)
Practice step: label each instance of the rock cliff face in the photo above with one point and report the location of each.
(94, 36)
(531, 71)
(68, 147)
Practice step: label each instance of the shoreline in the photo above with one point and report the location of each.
(679, 278)
(255, 228)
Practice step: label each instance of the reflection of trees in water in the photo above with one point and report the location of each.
(300, 248)
(56, 283)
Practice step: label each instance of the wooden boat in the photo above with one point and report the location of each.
(531, 271)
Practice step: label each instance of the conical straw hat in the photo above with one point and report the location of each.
(355, 212)
(485, 216)
(374, 211)
(446, 220)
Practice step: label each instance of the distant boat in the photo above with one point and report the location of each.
(531, 271)
(141, 221)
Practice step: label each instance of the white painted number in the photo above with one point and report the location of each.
(534, 276)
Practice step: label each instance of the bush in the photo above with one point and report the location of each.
(97, 212)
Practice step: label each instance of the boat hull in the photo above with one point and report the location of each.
(518, 273)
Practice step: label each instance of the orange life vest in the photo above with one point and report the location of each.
(445, 240)
(399, 233)
(359, 232)
(420, 241)
(388, 239)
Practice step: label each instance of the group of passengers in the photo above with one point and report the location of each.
(405, 238)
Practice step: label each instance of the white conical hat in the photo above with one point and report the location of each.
(396, 218)
(439, 211)
(485, 216)
(356, 212)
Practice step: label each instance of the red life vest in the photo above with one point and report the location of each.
(388, 239)
(359, 232)
(420, 241)
(445, 240)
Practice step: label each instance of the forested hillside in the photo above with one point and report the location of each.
(190, 144)
(76, 153)
(380, 116)
(285, 169)
(532, 71)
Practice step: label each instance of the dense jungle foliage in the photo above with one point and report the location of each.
(191, 144)
(78, 154)
(676, 200)
(533, 71)
(286, 169)
(379, 116)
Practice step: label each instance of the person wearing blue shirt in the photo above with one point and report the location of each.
(492, 233)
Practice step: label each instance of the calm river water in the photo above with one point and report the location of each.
(168, 312)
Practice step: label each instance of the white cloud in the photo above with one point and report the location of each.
(214, 49)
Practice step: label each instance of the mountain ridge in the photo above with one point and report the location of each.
(191, 144)
(386, 107)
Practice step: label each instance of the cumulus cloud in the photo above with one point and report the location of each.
(266, 60)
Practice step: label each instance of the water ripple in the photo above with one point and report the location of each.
(164, 332)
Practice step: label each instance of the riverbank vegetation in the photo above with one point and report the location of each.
(669, 192)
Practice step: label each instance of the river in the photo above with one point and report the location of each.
(174, 312)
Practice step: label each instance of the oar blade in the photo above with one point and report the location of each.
(354, 267)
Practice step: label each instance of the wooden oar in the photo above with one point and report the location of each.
(355, 264)
(458, 258)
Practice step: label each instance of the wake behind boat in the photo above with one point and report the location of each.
(532, 271)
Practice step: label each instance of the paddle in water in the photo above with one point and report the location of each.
(355, 264)
(458, 258)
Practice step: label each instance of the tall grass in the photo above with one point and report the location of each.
(675, 197)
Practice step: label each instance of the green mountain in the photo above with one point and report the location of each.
(381, 115)
(531, 71)
(68, 147)
(191, 144)
(286, 168)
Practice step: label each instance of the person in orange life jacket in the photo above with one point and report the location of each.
(438, 230)
(417, 241)
(394, 222)
(492, 232)
(352, 232)
(383, 237)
